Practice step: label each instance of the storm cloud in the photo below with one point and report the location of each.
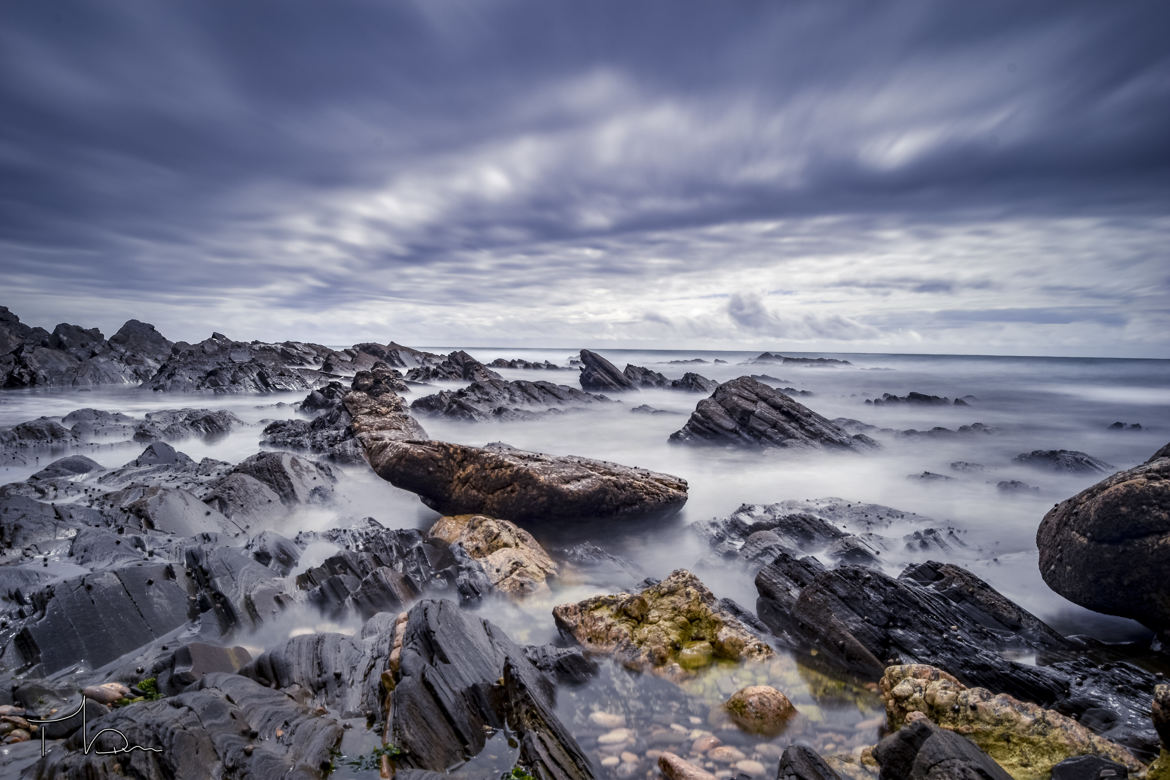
(921, 176)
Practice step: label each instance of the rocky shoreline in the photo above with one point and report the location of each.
(198, 617)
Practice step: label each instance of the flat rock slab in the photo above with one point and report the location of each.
(522, 486)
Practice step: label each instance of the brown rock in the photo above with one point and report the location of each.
(676, 768)
(760, 709)
(514, 561)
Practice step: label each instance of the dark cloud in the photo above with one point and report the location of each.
(330, 157)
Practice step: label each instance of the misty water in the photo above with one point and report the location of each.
(1029, 404)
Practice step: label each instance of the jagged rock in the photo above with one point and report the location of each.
(267, 483)
(1023, 738)
(382, 570)
(527, 364)
(566, 665)
(597, 373)
(644, 377)
(760, 709)
(647, 409)
(671, 627)
(34, 526)
(1119, 530)
(225, 726)
(455, 676)
(800, 762)
(378, 415)
(140, 344)
(174, 424)
(493, 398)
(232, 588)
(455, 367)
(274, 551)
(170, 510)
(1070, 461)
(677, 768)
(746, 413)
(1015, 486)
(1089, 768)
(90, 425)
(67, 468)
(923, 751)
(694, 383)
(859, 620)
(772, 357)
(523, 486)
(1120, 426)
(917, 399)
(515, 562)
(220, 365)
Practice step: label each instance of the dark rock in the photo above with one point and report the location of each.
(1069, 461)
(772, 357)
(97, 425)
(493, 398)
(923, 751)
(859, 620)
(930, 476)
(268, 482)
(523, 486)
(647, 409)
(918, 399)
(1015, 486)
(800, 762)
(175, 424)
(229, 586)
(691, 361)
(274, 551)
(220, 365)
(326, 397)
(694, 383)
(1108, 547)
(644, 377)
(526, 364)
(966, 466)
(68, 467)
(1120, 426)
(597, 373)
(746, 413)
(455, 367)
(566, 665)
(226, 725)
(441, 710)
(141, 345)
(1089, 768)
(195, 660)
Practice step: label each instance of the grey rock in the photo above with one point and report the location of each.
(1089, 768)
(493, 398)
(923, 751)
(800, 762)
(599, 374)
(1070, 461)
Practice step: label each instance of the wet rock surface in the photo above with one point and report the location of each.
(455, 367)
(500, 399)
(521, 486)
(923, 751)
(513, 560)
(674, 626)
(1118, 529)
(747, 413)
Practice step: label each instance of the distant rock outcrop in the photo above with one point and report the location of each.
(501, 399)
(774, 357)
(1070, 461)
(747, 413)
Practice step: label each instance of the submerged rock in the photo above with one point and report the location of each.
(1118, 533)
(1023, 738)
(747, 413)
(760, 709)
(515, 562)
(672, 627)
(522, 486)
(1070, 461)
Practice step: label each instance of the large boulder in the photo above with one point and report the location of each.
(455, 367)
(514, 561)
(1025, 739)
(747, 413)
(1108, 547)
(523, 486)
(672, 627)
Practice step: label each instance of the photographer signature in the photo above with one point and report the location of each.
(126, 747)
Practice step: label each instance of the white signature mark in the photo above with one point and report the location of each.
(126, 747)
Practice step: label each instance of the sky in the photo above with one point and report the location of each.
(989, 178)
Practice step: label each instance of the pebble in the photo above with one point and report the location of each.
(610, 761)
(726, 754)
(705, 743)
(608, 720)
(750, 767)
(768, 750)
(629, 758)
(615, 737)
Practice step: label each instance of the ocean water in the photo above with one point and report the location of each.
(1029, 403)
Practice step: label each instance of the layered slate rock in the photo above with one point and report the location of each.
(694, 383)
(267, 483)
(522, 486)
(1119, 531)
(226, 726)
(858, 620)
(747, 413)
(455, 678)
(501, 399)
(1065, 461)
(1022, 737)
(220, 365)
(76, 356)
(599, 374)
(455, 367)
(923, 751)
(671, 627)
(514, 561)
(379, 569)
(800, 762)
